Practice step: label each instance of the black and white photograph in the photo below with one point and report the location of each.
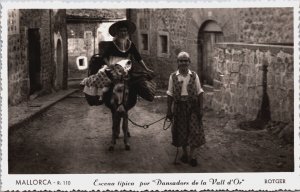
(150, 91)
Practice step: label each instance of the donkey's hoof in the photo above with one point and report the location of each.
(127, 147)
(111, 148)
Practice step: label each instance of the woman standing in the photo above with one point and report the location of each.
(185, 95)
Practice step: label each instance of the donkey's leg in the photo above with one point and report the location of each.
(131, 101)
(118, 127)
(115, 130)
(125, 131)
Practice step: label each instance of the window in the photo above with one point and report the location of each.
(163, 44)
(82, 63)
(144, 42)
(144, 46)
(143, 27)
(88, 35)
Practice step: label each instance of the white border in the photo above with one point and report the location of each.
(252, 181)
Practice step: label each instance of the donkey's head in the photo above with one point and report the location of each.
(120, 70)
(120, 87)
(120, 97)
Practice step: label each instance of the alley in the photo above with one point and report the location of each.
(72, 137)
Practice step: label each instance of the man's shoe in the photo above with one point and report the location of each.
(193, 162)
(184, 159)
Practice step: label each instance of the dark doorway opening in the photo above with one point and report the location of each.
(34, 59)
(209, 34)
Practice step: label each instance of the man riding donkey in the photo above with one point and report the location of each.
(185, 109)
(120, 62)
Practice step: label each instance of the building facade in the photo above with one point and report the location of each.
(37, 53)
(234, 51)
(86, 30)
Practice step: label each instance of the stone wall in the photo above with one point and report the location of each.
(18, 74)
(281, 84)
(268, 25)
(239, 71)
(18, 85)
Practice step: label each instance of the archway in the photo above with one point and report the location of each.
(209, 34)
(59, 64)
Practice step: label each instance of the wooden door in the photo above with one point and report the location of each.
(207, 52)
(34, 60)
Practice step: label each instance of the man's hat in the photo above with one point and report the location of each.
(124, 23)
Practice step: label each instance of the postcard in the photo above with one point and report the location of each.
(150, 95)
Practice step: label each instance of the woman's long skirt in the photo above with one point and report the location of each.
(187, 129)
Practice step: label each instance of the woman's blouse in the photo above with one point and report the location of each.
(185, 80)
(113, 54)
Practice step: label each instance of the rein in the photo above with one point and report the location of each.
(146, 126)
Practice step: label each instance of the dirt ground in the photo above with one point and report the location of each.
(72, 137)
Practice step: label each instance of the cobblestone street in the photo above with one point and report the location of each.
(72, 137)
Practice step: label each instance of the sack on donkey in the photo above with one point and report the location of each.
(95, 63)
(92, 100)
(144, 85)
(146, 89)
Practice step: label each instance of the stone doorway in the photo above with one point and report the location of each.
(34, 60)
(209, 34)
(59, 64)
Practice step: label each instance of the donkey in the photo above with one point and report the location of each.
(120, 99)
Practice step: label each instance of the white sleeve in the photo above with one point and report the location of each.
(170, 87)
(198, 85)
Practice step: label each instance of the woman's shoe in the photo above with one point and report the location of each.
(100, 101)
(184, 159)
(193, 162)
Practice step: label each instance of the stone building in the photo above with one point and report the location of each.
(87, 28)
(241, 55)
(37, 53)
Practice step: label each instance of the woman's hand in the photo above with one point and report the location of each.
(150, 74)
(145, 67)
(169, 115)
(84, 81)
(149, 70)
(169, 105)
(199, 114)
(103, 68)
